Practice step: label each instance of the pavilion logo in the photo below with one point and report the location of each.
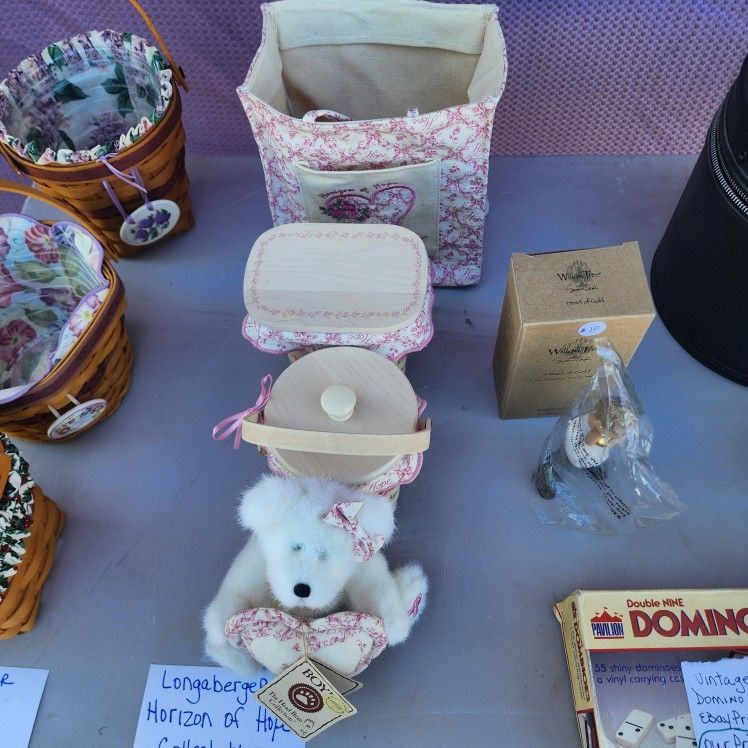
(607, 625)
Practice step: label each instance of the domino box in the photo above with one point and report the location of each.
(624, 649)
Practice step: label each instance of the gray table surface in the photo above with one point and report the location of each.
(150, 498)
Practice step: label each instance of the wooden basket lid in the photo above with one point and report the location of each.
(338, 278)
(385, 403)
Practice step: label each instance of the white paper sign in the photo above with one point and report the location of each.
(206, 707)
(21, 691)
(718, 700)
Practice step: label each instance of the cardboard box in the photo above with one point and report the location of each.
(545, 351)
(624, 651)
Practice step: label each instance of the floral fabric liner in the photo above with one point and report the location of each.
(393, 344)
(83, 98)
(16, 509)
(51, 287)
(404, 471)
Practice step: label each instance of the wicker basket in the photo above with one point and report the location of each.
(20, 606)
(372, 289)
(369, 434)
(158, 156)
(97, 369)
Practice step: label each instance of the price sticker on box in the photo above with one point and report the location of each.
(592, 329)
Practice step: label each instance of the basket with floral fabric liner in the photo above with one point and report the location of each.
(95, 121)
(346, 413)
(314, 285)
(29, 525)
(93, 372)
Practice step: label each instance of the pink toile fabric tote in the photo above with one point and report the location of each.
(380, 111)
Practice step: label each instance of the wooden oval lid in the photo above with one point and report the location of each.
(385, 404)
(342, 278)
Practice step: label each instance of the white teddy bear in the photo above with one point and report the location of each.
(313, 551)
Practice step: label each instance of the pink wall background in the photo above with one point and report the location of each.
(585, 76)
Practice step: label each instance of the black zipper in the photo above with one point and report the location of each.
(732, 190)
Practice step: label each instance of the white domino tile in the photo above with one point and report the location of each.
(634, 728)
(685, 737)
(671, 727)
(685, 741)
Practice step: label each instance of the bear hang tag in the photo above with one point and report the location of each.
(305, 700)
(343, 683)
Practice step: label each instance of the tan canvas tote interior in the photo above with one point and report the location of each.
(371, 59)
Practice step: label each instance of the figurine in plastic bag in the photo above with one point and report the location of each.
(594, 472)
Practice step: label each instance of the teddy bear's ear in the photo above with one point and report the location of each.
(377, 515)
(258, 504)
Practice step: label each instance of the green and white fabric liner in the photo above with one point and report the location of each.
(84, 97)
(16, 508)
(51, 287)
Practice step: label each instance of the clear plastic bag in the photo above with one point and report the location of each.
(594, 472)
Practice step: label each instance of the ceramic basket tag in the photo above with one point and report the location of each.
(149, 223)
(305, 700)
(80, 416)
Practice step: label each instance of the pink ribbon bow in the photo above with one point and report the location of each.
(343, 515)
(233, 424)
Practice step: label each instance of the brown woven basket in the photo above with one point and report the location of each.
(20, 606)
(158, 156)
(98, 366)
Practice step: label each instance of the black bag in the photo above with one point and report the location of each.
(700, 270)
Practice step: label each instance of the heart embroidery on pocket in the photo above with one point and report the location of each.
(346, 642)
(382, 203)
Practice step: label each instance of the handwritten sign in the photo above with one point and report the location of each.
(718, 700)
(21, 691)
(207, 707)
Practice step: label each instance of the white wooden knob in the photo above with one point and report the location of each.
(338, 401)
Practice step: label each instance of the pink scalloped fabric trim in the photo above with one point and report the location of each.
(394, 344)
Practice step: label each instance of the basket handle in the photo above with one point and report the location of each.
(373, 445)
(21, 189)
(177, 70)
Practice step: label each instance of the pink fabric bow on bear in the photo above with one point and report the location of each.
(343, 515)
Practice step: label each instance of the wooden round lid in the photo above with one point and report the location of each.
(340, 278)
(384, 403)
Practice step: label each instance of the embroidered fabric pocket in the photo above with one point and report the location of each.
(402, 195)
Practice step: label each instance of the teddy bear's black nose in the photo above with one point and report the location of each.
(302, 590)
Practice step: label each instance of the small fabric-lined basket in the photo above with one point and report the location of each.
(95, 121)
(29, 526)
(380, 111)
(59, 346)
(345, 413)
(311, 286)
